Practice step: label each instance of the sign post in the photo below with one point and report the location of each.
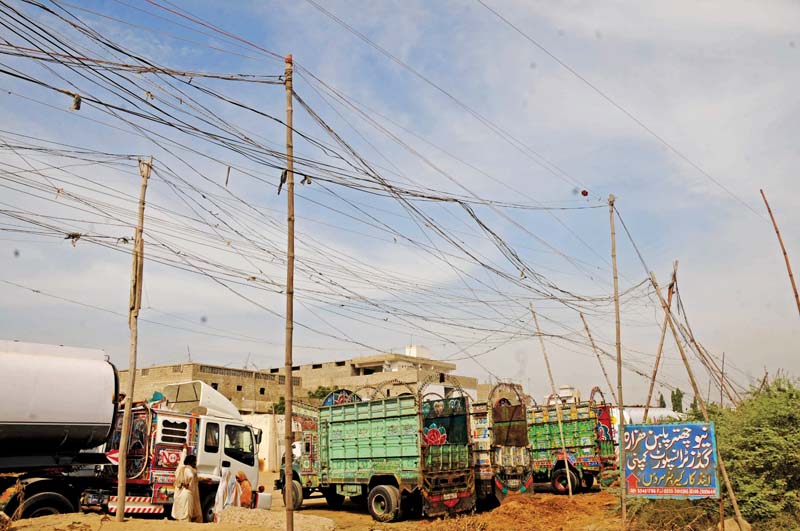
(677, 461)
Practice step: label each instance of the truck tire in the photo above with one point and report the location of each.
(207, 505)
(46, 503)
(334, 499)
(297, 495)
(384, 503)
(559, 481)
(588, 481)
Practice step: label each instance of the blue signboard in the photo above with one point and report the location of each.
(671, 461)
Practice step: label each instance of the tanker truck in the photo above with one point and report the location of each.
(60, 427)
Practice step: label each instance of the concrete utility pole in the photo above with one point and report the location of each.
(133, 323)
(783, 250)
(700, 401)
(670, 291)
(287, 478)
(620, 406)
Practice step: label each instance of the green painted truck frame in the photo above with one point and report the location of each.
(398, 455)
(588, 438)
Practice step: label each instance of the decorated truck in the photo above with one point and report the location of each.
(399, 455)
(190, 418)
(588, 438)
(60, 426)
(510, 456)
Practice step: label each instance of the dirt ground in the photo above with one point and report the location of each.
(540, 511)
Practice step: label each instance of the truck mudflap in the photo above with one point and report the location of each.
(448, 503)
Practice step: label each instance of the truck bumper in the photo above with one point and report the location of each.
(448, 503)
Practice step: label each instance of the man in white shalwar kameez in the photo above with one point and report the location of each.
(186, 503)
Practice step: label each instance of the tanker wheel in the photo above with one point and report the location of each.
(559, 481)
(334, 499)
(297, 495)
(46, 503)
(384, 503)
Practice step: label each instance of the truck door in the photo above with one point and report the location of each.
(208, 451)
(239, 451)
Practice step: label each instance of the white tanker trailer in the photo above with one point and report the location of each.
(60, 425)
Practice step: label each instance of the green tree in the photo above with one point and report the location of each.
(320, 392)
(760, 442)
(661, 401)
(694, 409)
(280, 407)
(677, 400)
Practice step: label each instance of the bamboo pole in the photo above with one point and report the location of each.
(670, 291)
(620, 405)
(708, 361)
(783, 250)
(597, 353)
(558, 401)
(701, 402)
(289, 436)
(137, 269)
(721, 398)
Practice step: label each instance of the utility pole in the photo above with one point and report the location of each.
(597, 353)
(289, 436)
(135, 304)
(558, 401)
(700, 400)
(620, 404)
(783, 250)
(670, 291)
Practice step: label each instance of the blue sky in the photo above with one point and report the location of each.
(716, 80)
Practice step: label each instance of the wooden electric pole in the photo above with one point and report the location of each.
(700, 401)
(133, 323)
(721, 398)
(620, 405)
(783, 250)
(559, 412)
(670, 291)
(597, 353)
(288, 434)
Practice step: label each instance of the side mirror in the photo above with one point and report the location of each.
(258, 434)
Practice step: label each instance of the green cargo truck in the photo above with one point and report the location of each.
(399, 455)
(587, 438)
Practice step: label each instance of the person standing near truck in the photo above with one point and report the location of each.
(186, 504)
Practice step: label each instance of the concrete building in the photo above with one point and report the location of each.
(408, 370)
(250, 391)
(256, 391)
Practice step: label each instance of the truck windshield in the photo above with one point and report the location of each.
(239, 444)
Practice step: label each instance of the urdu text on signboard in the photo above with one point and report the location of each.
(671, 461)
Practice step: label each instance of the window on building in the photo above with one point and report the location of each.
(296, 381)
(340, 363)
(316, 366)
(212, 438)
(239, 444)
(281, 379)
(177, 368)
(388, 392)
(145, 372)
(214, 385)
(261, 391)
(238, 387)
(296, 368)
(273, 371)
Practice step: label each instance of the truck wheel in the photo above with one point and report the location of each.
(384, 503)
(208, 507)
(588, 481)
(559, 481)
(46, 503)
(297, 495)
(334, 499)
